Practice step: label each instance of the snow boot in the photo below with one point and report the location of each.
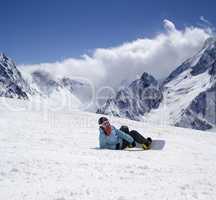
(149, 141)
(145, 146)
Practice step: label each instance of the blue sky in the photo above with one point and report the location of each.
(34, 31)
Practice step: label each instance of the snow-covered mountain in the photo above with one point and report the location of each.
(56, 158)
(75, 90)
(12, 83)
(38, 86)
(186, 98)
(81, 88)
(133, 101)
(190, 92)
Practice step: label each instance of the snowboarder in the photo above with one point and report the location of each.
(113, 138)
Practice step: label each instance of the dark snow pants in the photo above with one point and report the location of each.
(137, 138)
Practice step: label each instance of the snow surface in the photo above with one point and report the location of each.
(54, 156)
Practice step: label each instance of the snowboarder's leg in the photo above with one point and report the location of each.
(138, 138)
(146, 142)
(125, 129)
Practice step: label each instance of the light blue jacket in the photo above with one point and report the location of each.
(116, 137)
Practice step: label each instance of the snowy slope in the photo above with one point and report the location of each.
(178, 95)
(53, 156)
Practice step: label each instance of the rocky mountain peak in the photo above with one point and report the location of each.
(148, 80)
(12, 83)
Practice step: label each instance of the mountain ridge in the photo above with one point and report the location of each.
(186, 98)
(12, 83)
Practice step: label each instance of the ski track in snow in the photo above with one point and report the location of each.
(53, 156)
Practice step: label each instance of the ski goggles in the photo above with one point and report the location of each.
(105, 123)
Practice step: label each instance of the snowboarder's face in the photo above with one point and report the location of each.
(107, 127)
(106, 124)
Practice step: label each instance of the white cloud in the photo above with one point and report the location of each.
(203, 19)
(108, 67)
(169, 26)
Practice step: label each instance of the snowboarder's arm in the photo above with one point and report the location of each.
(125, 136)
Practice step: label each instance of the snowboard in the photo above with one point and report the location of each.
(155, 145)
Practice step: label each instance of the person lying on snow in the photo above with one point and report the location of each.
(113, 138)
